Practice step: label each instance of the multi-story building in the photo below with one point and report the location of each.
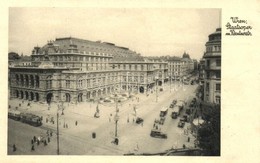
(201, 68)
(176, 68)
(212, 56)
(76, 70)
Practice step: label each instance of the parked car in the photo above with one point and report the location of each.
(181, 124)
(158, 134)
(184, 118)
(188, 111)
(174, 115)
(162, 119)
(174, 102)
(139, 120)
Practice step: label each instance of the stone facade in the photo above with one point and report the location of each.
(212, 76)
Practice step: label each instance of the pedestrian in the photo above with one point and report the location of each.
(34, 138)
(46, 120)
(32, 141)
(76, 123)
(67, 125)
(38, 142)
(32, 149)
(45, 142)
(49, 139)
(184, 146)
(14, 148)
(188, 139)
(51, 133)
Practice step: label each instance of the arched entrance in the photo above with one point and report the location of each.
(36, 96)
(48, 98)
(99, 93)
(32, 96)
(88, 95)
(17, 93)
(94, 94)
(21, 92)
(160, 83)
(67, 97)
(80, 97)
(26, 95)
(141, 89)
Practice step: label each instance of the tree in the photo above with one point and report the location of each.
(209, 132)
(13, 56)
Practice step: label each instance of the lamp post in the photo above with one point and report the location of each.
(116, 118)
(156, 80)
(58, 140)
(127, 82)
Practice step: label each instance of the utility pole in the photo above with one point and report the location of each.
(116, 117)
(58, 145)
(156, 89)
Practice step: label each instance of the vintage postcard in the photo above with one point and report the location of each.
(170, 81)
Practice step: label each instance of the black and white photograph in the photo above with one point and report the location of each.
(130, 81)
(114, 81)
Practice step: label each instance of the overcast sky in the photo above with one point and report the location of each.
(151, 32)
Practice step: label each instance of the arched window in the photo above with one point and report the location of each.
(17, 79)
(37, 80)
(26, 80)
(80, 83)
(67, 82)
(49, 82)
(32, 80)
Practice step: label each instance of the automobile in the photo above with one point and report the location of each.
(188, 111)
(139, 120)
(162, 119)
(174, 102)
(158, 134)
(174, 115)
(181, 124)
(184, 118)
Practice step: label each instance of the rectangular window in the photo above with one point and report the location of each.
(208, 75)
(208, 63)
(217, 99)
(218, 62)
(67, 84)
(218, 75)
(207, 87)
(218, 87)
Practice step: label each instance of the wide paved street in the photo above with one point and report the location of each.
(78, 140)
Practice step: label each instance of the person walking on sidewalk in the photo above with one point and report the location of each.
(76, 123)
(32, 149)
(14, 148)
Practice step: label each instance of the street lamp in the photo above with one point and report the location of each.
(156, 80)
(127, 82)
(116, 118)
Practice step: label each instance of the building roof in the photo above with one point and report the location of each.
(62, 45)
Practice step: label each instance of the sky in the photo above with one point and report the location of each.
(149, 31)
